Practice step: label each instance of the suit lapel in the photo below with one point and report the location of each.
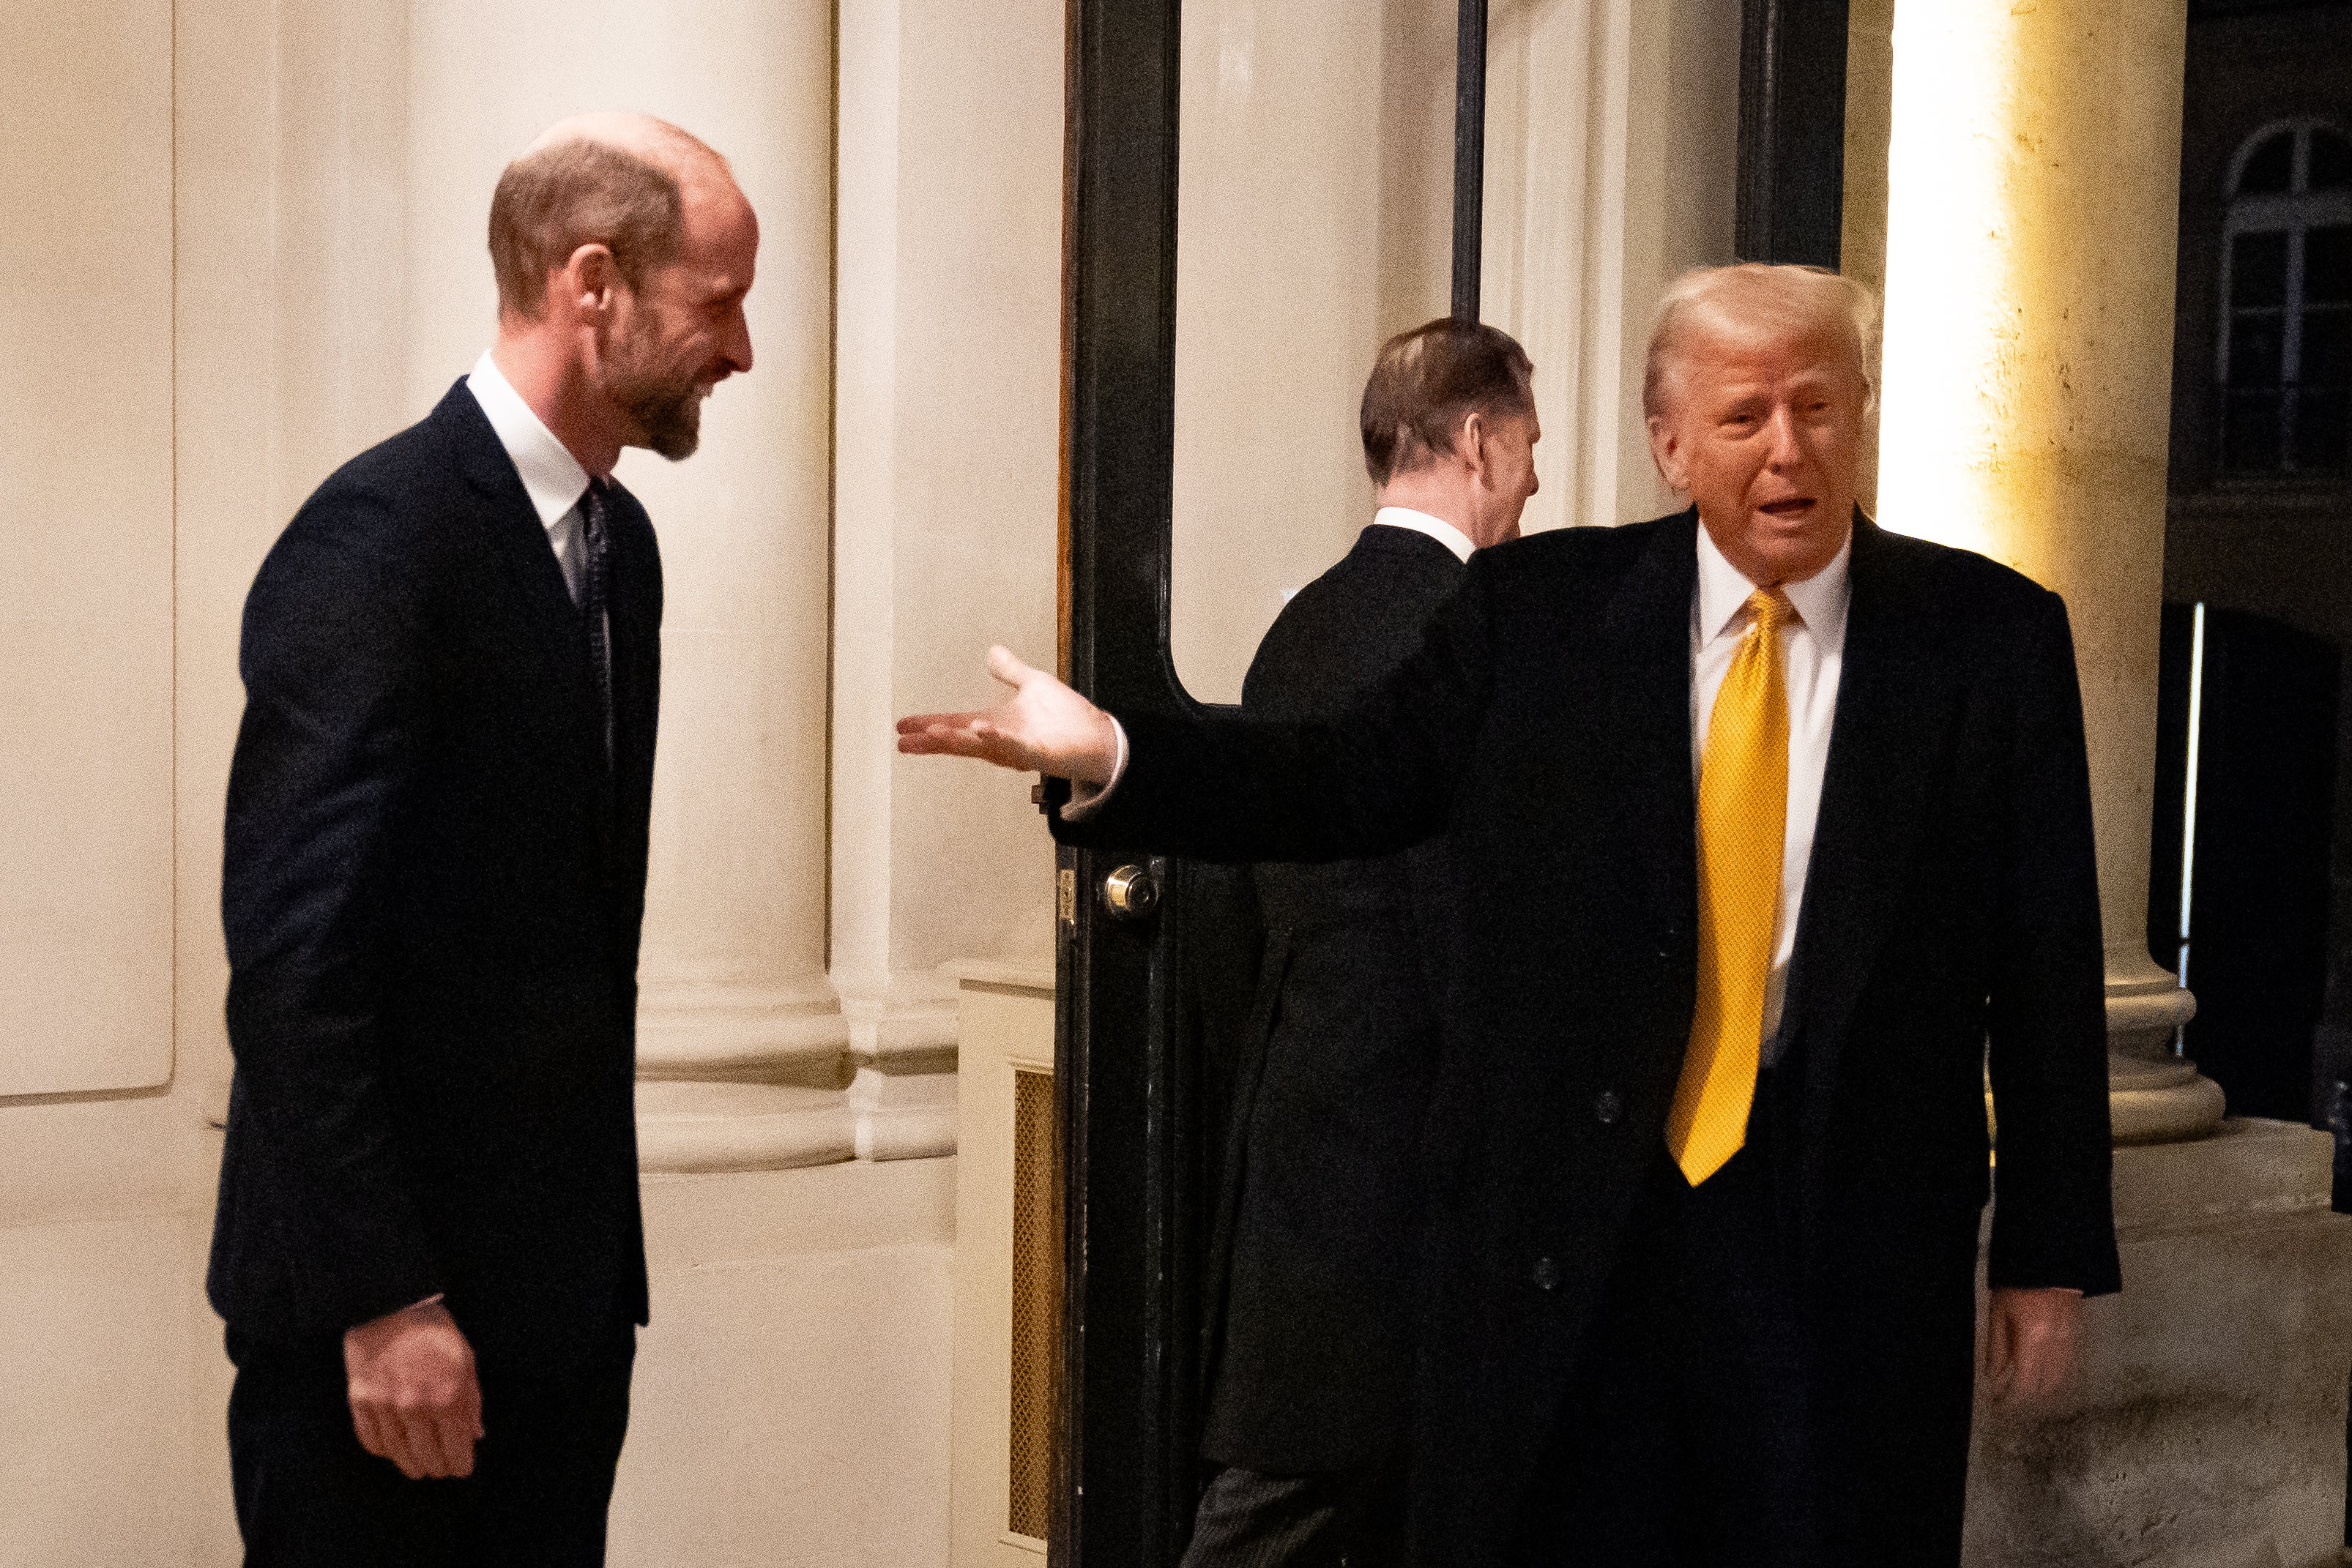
(511, 523)
(635, 613)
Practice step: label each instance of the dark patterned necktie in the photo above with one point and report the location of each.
(599, 542)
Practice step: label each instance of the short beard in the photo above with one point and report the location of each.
(669, 413)
(671, 417)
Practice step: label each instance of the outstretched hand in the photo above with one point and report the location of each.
(1043, 727)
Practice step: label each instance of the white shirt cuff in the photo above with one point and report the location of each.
(1085, 798)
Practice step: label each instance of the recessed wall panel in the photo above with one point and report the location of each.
(86, 563)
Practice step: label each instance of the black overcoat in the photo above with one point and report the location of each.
(1312, 1270)
(431, 887)
(1951, 899)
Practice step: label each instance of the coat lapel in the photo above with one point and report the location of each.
(1893, 702)
(1647, 628)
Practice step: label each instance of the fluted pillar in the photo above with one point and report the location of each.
(740, 1045)
(2033, 193)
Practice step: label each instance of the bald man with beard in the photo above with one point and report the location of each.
(428, 1249)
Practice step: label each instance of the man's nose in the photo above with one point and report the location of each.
(1784, 450)
(737, 344)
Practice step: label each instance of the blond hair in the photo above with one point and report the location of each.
(1757, 294)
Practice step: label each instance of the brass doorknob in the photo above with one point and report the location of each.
(1130, 892)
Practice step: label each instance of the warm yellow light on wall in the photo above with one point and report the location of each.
(1951, 332)
(2033, 172)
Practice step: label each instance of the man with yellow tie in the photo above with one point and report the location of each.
(1772, 831)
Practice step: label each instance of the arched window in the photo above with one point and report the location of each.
(2286, 274)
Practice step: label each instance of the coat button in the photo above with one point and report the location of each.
(1545, 1274)
(1608, 1108)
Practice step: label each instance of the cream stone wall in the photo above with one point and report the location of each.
(1314, 204)
(1315, 218)
(86, 1000)
(250, 244)
(111, 1379)
(1611, 135)
(946, 388)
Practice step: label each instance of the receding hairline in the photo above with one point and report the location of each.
(1752, 296)
(672, 149)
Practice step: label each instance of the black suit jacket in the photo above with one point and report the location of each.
(1310, 1277)
(431, 888)
(1951, 899)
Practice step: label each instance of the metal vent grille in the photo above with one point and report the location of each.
(1036, 1302)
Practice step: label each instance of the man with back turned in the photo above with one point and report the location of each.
(1309, 1401)
(1767, 824)
(429, 1248)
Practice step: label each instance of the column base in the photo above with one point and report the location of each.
(738, 1032)
(2161, 1102)
(743, 1079)
(2153, 1095)
(902, 1043)
(684, 1126)
(904, 1116)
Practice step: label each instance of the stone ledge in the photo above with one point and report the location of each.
(728, 1034)
(2248, 1170)
(684, 1125)
(1001, 976)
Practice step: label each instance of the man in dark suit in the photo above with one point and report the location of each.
(1767, 822)
(1310, 1285)
(428, 1249)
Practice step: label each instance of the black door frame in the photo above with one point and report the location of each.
(1128, 1083)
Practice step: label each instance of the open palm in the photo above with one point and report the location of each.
(1043, 726)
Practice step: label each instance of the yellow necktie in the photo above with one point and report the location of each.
(1743, 817)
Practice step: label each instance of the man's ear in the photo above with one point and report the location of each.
(589, 279)
(1666, 452)
(1470, 442)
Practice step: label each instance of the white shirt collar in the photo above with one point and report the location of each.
(551, 476)
(1438, 528)
(1820, 600)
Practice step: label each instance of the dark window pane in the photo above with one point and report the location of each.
(2250, 432)
(2256, 345)
(2323, 421)
(2271, 168)
(2331, 161)
(2326, 349)
(2258, 270)
(2327, 266)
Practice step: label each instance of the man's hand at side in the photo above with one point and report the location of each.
(1043, 727)
(2033, 1339)
(414, 1398)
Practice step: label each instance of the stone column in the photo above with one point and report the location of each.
(946, 386)
(2034, 174)
(740, 1046)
